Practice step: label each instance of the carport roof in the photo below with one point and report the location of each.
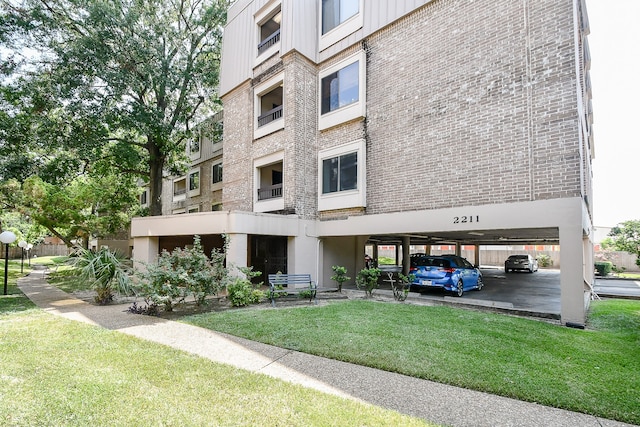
(521, 236)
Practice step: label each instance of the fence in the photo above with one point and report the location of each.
(497, 257)
(37, 251)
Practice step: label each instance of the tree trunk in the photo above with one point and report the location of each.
(156, 166)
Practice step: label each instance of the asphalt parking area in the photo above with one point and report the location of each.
(536, 294)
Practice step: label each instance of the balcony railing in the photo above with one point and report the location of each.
(268, 42)
(270, 116)
(270, 192)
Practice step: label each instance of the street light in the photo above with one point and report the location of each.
(22, 245)
(6, 237)
(29, 246)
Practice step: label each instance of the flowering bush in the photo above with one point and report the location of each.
(183, 272)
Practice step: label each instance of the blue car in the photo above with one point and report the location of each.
(449, 272)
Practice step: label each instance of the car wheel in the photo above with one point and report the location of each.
(459, 289)
(480, 283)
(530, 269)
(506, 269)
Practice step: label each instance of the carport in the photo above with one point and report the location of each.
(562, 222)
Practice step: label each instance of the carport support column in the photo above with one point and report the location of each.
(406, 258)
(237, 251)
(572, 293)
(476, 254)
(145, 251)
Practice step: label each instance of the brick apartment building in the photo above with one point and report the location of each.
(349, 123)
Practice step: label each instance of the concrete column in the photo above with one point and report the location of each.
(406, 257)
(476, 255)
(572, 289)
(146, 250)
(303, 255)
(427, 249)
(237, 252)
(458, 249)
(398, 255)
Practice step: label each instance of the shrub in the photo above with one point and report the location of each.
(183, 272)
(367, 278)
(340, 276)
(603, 268)
(241, 292)
(544, 260)
(106, 272)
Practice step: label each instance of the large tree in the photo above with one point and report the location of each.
(119, 83)
(625, 237)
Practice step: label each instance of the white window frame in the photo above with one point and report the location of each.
(260, 18)
(342, 30)
(351, 111)
(178, 211)
(349, 198)
(259, 91)
(193, 209)
(183, 196)
(216, 185)
(195, 191)
(268, 205)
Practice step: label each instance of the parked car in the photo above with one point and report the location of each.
(521, 262)
(449, 272)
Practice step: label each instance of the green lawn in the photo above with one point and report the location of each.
(595, 371)
(57, 372)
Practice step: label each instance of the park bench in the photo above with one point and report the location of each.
(294, 284)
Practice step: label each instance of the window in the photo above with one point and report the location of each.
(340, 88)
(339, 19)
(194, 181)
(188, 186)
(340, 173)
(335, 12)
(216, 173)
(193, 209)
(342, 181)
(144, 198)
(217, 207)
(342, 91)
(269, 108)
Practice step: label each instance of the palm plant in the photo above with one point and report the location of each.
(106, 271)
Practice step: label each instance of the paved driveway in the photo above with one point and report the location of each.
(526, 293)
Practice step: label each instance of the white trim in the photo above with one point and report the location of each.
(342, 30)
(258, 92)
(195, 155)
(351, 111)
(350, 198)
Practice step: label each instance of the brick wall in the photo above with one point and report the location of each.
(478, 108)
(468, 103)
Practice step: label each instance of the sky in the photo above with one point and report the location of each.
(614, 44)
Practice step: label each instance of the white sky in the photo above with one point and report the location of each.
(614, 43)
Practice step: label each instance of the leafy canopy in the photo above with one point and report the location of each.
(116, 83)
(626, 237)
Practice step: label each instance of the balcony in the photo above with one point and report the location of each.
(270, 116)
(272, 40)
(270, 192)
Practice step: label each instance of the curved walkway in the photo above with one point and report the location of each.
(432, 401)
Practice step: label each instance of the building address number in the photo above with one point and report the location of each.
(466, 219)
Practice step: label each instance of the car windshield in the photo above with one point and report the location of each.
(519, 257)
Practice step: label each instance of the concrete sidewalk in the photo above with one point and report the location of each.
(431, 401)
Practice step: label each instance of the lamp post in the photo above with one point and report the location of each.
(6, 237)
(22, 245)
(29, 246)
